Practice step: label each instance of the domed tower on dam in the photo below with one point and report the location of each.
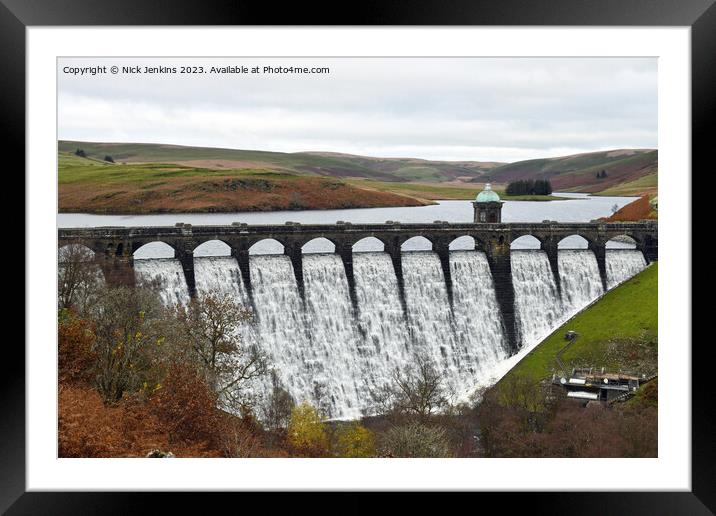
(488, 207)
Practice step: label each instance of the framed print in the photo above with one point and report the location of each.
(416, 250)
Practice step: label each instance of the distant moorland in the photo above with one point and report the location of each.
(158, 178)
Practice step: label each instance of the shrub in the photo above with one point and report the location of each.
(186, 407)
(75, 356)
(415, 440)
(126, 323)
(416, 393)
(89, 428)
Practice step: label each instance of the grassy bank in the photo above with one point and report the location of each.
(646, 185)
(618, 331)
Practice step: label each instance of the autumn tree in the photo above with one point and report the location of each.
(127, 333)
(354, 440)
(306, 432)
(212, 325)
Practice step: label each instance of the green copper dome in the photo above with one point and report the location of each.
(487, 195)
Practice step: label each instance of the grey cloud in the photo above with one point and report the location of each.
(498, 109)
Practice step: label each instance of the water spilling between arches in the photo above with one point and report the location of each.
(337, 356)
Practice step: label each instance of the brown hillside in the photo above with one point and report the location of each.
(223, 194)
(637, 210)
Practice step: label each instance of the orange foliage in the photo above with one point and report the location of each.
(180, 417)
(186, 407)
(88, 428)
(637, 210)
(75, 355)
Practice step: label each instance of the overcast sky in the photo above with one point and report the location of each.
(484, 109)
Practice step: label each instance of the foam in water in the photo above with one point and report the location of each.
(622, 264)
(538, 308)
(478, 325)
(458, 356)
(333, 349)
(580, 281)
(167, 275)
(384, 344)
(281, 324)
(426, 299)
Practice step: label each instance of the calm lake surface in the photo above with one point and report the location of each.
(575, 208)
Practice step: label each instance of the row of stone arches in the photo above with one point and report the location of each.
(159, 249)
(573, 242)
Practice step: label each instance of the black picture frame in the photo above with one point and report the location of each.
(17, 15)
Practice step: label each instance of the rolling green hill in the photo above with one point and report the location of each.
(625, 171)
(302, 163)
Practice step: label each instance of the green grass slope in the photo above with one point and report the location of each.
(618, 331)
(302, 163)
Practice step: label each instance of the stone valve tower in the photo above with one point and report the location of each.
(488, 207)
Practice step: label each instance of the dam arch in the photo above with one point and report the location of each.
(464, 243)
(573, 242)
(76, 252)
(624, 241)
(417, 243)
(368, 245)
(152, 249)
(526, 242)
(319, 245)
(267, 246)
(215, 247)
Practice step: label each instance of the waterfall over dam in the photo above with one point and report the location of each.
(336, 353)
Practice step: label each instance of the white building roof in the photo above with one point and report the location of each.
(583, 395)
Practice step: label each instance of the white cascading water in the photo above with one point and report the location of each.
(281, 325)
(459, 350)
(332, 349)
(579, 278)
(220, 275)
(324, 353)
(165, 274)
(384, 345)
(622, 264)
(538, 308)
(478, 324)
(430, 325)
